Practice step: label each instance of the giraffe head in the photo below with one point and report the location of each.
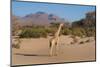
(61, 24)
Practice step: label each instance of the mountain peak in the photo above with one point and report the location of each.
(40, 12)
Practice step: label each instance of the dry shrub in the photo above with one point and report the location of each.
(82, 42)
(33, 33)
(16, 43)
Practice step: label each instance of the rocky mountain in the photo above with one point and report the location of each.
(39, 18)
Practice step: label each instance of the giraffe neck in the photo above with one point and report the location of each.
(58, 31)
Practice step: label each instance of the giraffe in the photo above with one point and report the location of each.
(54, 40)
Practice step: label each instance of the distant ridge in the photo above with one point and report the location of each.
(39, 18)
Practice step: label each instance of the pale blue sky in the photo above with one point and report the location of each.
(68, 12)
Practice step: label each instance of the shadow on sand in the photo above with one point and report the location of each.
(22, 54)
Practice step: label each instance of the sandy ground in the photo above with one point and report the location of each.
(36, 51)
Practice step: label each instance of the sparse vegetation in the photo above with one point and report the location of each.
(16, 44)
(75, 40)
(90, 32)
(33, 33)
(77, 32)
(87, 41)
(66, 31)
(82, 42)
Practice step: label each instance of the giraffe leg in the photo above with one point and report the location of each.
(56, 50)
(56, 47)
(51, 49)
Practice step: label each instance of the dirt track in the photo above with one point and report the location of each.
(36, 51)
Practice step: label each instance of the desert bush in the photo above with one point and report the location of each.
(16, 43)
(33, 33)
(72, 43)
(66, 31)
(17, 46)
(78, 32)
(74, 38)
(87, 40)
(90, 32)
(81, 42)
(48, 30)
(85, 31)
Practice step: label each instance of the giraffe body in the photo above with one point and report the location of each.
(53, 43)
